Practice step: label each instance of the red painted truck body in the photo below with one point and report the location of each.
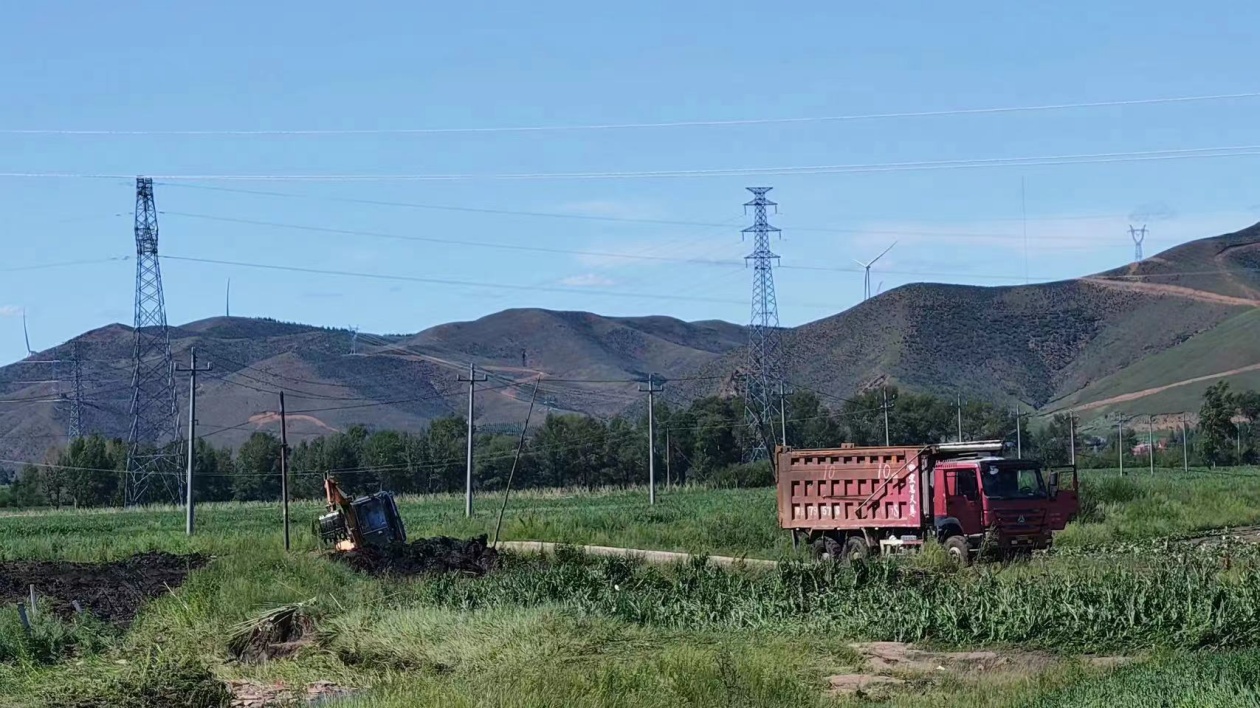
(853, 501)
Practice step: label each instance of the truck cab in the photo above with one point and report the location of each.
(1015, 504)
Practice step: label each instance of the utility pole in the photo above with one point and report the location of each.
(1120, 439)
(284, 468)
(1072, 438)
(1150, 439)
(783, 414)
(472, 380)
(651, 391)
(960, 418)
(192, 370)
(669, 479)
(1185, 446)
(884, 390)
(1019, 439)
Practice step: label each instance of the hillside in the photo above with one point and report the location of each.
(1184, 312)
(1143, 339)
(390, 382)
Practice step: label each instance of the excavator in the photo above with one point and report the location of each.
(372, 520)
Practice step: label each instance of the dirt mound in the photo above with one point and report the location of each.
(113, 592)
(440, 554)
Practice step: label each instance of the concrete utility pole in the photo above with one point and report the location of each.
(1150, 440)
(472, 380)
(669, 479)
(960, 439)
(782, 414)
(1185, 446)
(651, 391)
(192, 372)
(887, 441)
(1072, 438)
(1019, 435)
(284, 468)
(1120, 440)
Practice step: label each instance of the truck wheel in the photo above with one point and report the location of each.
(824, 548)
(855, 549)
(958, 550)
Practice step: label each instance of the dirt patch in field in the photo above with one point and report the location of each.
(888, 657)
(113, 591)
(440, 554)
(252, 694)
(861, 685)
(892, 665)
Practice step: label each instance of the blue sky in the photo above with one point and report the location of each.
(296, 66)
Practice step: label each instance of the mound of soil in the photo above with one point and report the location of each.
(113, 592)
(440, 554)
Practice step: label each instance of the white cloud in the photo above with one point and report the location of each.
(10, 310)
(587, 280)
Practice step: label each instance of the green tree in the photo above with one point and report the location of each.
(1216, 424)
(92, 470)
(258, 469)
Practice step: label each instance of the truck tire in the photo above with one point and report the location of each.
(855, 549)
(958, 550)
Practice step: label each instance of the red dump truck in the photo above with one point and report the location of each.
(850, 502)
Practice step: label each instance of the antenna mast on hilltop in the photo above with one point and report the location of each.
(763, 332)
(1138, 236)
(154, 416)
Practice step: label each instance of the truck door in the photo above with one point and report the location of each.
(962, 499)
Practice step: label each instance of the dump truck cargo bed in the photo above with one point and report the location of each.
(851, 488)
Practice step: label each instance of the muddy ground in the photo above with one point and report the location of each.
(113, 591)
(425, 556)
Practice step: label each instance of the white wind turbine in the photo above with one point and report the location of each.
(866, 290)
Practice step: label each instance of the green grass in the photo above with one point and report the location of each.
(572, 630)
(1211, 352)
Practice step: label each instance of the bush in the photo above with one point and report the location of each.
(752, 474)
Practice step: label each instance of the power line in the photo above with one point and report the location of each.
(732, 263)
(628, 126)
(441, 281)
(971, 163)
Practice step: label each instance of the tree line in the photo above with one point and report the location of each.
(703, 442)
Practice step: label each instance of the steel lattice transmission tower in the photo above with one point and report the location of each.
(1138, 236)
(763, 370)
(74, 428)
(151, 446)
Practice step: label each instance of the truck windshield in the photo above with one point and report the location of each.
(1012, 482)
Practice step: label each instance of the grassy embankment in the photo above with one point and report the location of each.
(575, 631)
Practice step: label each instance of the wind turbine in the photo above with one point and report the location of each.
(227, 301)
(26, 335)
(866, 290)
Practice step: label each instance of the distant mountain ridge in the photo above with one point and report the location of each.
(1144, 338)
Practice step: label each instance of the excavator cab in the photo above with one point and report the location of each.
(367, 521)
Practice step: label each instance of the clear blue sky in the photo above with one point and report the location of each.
(159, 66)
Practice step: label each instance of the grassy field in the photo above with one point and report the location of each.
(571, 630)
